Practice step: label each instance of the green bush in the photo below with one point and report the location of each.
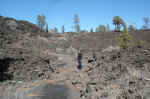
(141, 44)
(125, 39)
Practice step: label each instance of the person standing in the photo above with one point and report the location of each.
(79, 59)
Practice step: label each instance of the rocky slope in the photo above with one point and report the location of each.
(9, 25)
(123, 74)
(100, 41)
(43, 66)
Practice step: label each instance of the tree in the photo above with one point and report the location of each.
(46, 27)
(107, 28)
(131, 28)
(118, 22)
(41, 21)
(91, 30)
(125, 39)
(97, 29)
(146, 21)
(76, 23)
(55, 30)
(63, 29)
(78, 28)
(101, 28)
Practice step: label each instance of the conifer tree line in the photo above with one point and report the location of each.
(117, 21)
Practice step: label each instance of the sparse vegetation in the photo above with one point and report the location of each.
(75, 49)
(41, 21)
(101, 28)
(146, 21)
(51, 57)
(141, 44)
(91, 30)
(131, 28)
(125, 39)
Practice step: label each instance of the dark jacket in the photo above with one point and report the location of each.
(79, 56)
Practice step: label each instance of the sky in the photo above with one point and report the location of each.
(91, 12)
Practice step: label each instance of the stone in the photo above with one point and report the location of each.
(111, 48)
(146, 93)
(88, 89)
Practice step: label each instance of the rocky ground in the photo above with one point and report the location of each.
(120, 74)
(123, 74)
(44, 66)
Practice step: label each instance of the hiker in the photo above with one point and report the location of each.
(79, 59)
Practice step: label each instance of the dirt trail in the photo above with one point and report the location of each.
(70, 73)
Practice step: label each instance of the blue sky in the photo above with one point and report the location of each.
(91, 12)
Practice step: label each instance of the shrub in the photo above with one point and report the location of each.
(131, 28)
(141, 44)
(125, 39)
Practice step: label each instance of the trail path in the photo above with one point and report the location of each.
(70, 73)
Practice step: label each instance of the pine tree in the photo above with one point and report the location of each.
(55, 30)
(102, 28)
(46, 28)
(146, 21)
(63, 29)
(97, 29)
(91, 30)
(125, 39)
(118, 22)
(76, 23)
(41, 21)
(107, 28)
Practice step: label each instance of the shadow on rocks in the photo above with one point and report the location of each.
(4, 65)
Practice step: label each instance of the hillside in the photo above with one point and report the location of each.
(11, 25)
(99, 41)
(39, 65)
